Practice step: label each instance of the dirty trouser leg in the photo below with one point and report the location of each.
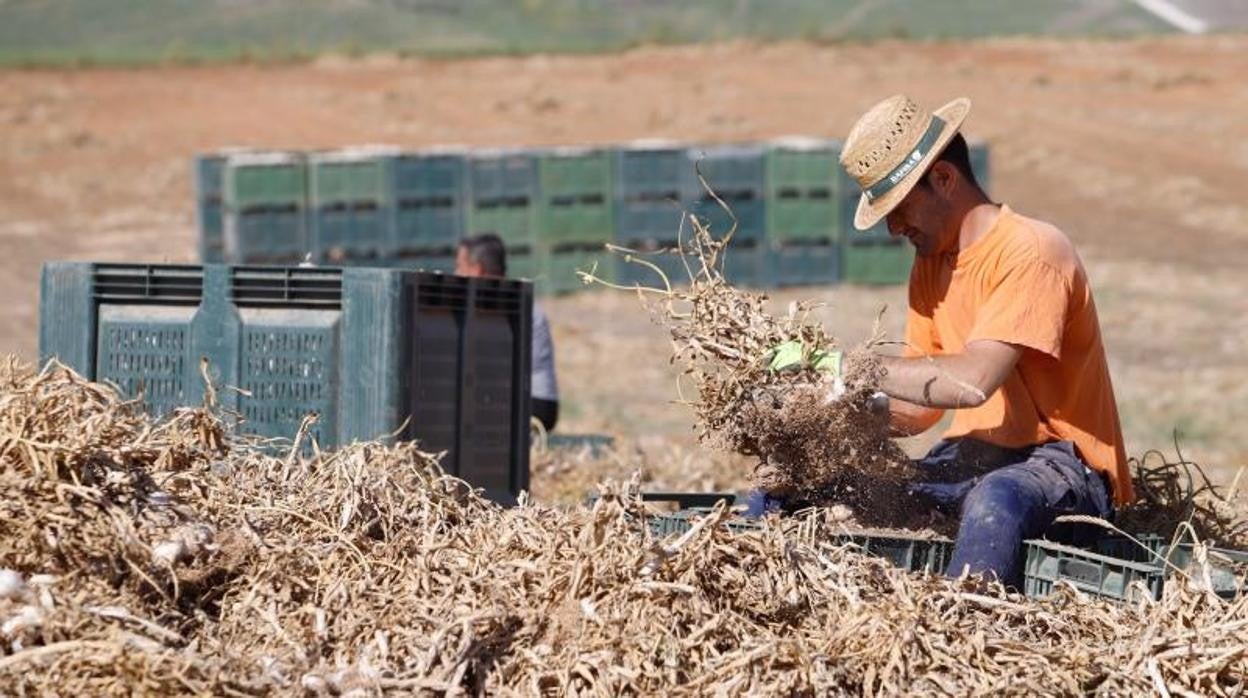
(1020, 501)
(759, 504)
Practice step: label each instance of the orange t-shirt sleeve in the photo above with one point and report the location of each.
(1026, 306)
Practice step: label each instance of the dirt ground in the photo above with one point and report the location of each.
(1138, 149)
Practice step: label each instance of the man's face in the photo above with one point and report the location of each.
(464, 266)
(923, 219)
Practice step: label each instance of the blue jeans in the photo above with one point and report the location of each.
(1017, 499)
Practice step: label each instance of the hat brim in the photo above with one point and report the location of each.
(871, 212)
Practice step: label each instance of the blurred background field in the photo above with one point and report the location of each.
(1133, 140)
(143, 31)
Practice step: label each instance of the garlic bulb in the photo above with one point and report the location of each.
(11, 584)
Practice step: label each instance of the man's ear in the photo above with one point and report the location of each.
(943, 178)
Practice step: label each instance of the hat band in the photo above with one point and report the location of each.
(921, 150)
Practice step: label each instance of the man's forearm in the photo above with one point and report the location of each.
(944, 382)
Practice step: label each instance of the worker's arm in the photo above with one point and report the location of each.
(951, 381)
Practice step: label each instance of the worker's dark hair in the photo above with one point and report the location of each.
(958, 154)
(487, 250)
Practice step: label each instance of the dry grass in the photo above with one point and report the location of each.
(812, 433)
(1175, 498)
(170, 559)
(565, 472)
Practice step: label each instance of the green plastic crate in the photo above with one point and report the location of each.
(743, 265)
(366, 349)
(1228, 571)
(351, 174)
(912, 553)
(265, 179)
(576, 191)
(748, 266)
(351, 205)
(559, 267)
(1146, 550)
(872, 256)
(649, 179)
(737, 175)
(869, 263)
(209, 172)
(504, 192)
(804, 186)
(665, 256)
(273, 235)
(805, 263)
(265, 212)
(681, 521)
(1048, 563)
(1228, 568)
(525, 263)
(430, 193)
(347, 232)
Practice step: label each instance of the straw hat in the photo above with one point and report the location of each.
(891, 147)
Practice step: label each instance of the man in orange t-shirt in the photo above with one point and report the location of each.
(1002, 329)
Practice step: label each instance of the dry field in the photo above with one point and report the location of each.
(1138, 149)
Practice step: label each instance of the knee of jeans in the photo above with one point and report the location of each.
(995, 501)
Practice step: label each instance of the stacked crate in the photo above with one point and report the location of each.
(209, 205)
(430, 193)
(574, 216)
(352, 205)
(649, 208)
(803, 217)
(790, 207)
(871, 257)
(265, 207)
(725, 189)
(502, 185)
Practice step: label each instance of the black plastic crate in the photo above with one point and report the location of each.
(368, 350)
